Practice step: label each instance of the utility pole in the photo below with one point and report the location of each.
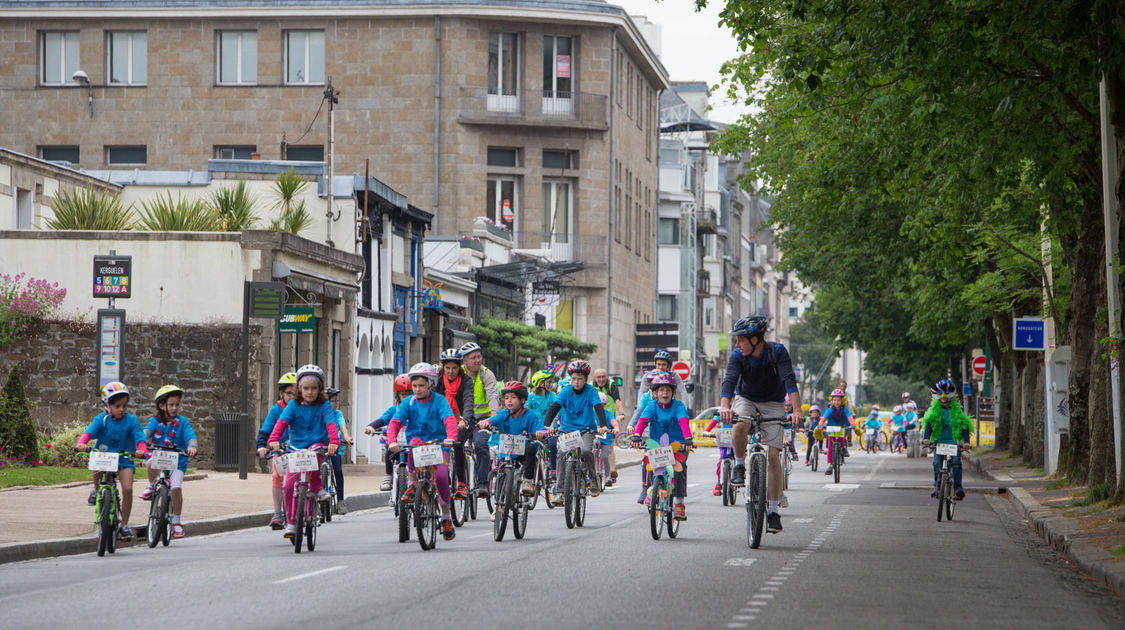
(332, 95)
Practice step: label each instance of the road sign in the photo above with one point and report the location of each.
(113, 276)
(1030, 333)
(978, 365)
(682, 369)
(966, 389)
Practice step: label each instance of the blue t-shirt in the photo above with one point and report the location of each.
(946, 430)
(424, 421)
(899, 421)
(911, 418)
(177, 433)
(578, 408)
(874, 422)
(665, 420)
(540, 404)
(269, 423)
(308, 424)
(837, 416)
(528, 422)
(116, 435)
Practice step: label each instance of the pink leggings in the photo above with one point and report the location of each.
(441, 476)
(291, 479)
(831, 440)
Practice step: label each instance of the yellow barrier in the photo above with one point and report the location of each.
(697, 429)
(987, 435)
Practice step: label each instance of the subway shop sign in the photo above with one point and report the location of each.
(297, 320)
(113, 276)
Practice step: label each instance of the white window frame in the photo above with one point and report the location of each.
(64, 76)
(675, 307)
(561, 248)
(239, 69)
(495, 183)
(554, 103)
(129, 60)
(306, 33)
(500, 97)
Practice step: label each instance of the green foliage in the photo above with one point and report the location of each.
(23, 305)
(85, 209)
(12, 476)
(164, 214)
(887, 389)
(293, 217)
(509, 346)
(234, 208)
(57, 447)
(17, 432)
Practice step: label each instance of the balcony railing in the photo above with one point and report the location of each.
(585, 248)
(531, 108)
(707, 221)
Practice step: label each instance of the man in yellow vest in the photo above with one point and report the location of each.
(615, 410)
(486, 403)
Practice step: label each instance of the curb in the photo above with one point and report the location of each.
(86, 482)
(34, 550)
(1061, 534)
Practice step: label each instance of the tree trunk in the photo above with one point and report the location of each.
(1017, 430)
(1101, 418)
(1003, 365)
(1034, 405)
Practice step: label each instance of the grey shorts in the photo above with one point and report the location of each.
(773, 432)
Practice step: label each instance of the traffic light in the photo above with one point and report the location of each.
(617, 380)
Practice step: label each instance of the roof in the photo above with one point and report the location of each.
(63, 168)
(677, 115)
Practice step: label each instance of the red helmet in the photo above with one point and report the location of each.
(402, 383)
(578, 365)
(515, 387)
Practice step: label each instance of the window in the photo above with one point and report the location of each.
(503, 72)
(620, 78)
(58, 57)
(237, 57)
(23, 209)
(709, 313)
(304, 57)
(668, 232)
(126, 155)
(560, 159)
(502, 156)
(640, 99)
(666, 308)
(305, 153)
(503, 201)
(557, 66)
(558, 217)
(792, 311)
(234, 152)
(629, 93)
(128, 57)
(59, 154)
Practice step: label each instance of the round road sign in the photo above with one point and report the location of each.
(978, 366)
(682, 369)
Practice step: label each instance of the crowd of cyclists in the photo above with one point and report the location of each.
(461, 404)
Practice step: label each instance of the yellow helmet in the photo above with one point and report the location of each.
(289, 378)
(166, 391)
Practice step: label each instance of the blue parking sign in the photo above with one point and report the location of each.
(1030, 333)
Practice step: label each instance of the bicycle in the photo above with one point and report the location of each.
(661, 511)
(427, 457)
(756, 489)
(724, 440)
(306, 517)
(465, 508)
(573, 477)
(786, 461)
(836, 452)
(509, 501)
(818, 439)
(871, 441)
(107, 498)
(328, 482)
(945, 478)
(165, 459)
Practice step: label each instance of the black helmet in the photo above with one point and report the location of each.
(329, 392)
(753, 326)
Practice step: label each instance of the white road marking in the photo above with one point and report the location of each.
(798, 521)
(740, 562)
(311, 574)
(838, 487)
(875, 470)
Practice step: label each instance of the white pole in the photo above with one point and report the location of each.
(330, 94)
(1109, 209)
(1050, 464)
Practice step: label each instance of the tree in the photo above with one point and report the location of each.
(17, 431)
(509, 346)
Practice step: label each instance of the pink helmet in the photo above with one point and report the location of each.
(815, 408)
(663, 378)
(837, 392)
(424, 369)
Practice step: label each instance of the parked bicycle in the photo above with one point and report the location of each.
(306, 516)
(164, 459)
(107, 498)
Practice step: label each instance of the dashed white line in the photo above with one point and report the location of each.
(310, 574)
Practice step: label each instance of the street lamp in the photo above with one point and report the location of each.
(82, 78)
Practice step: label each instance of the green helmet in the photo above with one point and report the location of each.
(541, 377)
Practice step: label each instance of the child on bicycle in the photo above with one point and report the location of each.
(117, 431)
(426, 418)
(516, 419)
(168, 428)
(338, 459)
(724, 452)
(643, 401)
(946, 423)
(838, 415)
(402, 390)
(667, 422)
(311, 422)
(898, 424)
(286, 387)
(872, 425)
(581, 410)
(811, 423)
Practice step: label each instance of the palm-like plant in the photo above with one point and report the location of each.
(164, 214)
(234, 208)
(84, 209)
(293, 216)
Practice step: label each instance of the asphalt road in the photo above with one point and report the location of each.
(862, 553)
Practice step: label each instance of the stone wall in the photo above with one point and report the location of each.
(58, 364)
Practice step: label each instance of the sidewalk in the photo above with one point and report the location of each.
(47, 521)
(1085, 534)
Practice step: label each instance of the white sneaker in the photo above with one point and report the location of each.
(783, 501)
(323, 496)
(290, 531)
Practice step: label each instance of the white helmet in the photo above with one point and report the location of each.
(424, 369)
(310, 370)
(468, 348)
(898, 409)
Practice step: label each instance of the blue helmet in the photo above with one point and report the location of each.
(753, 326)
(662, 354)
(945, 386)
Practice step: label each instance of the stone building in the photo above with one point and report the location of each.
(540, 115)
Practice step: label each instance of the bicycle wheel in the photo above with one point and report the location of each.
(756, 499)
(155, 530)
(328, 506)
(548, 482)
(724, 481)
(404, 523)
(166, 535)
(311, 528)
(949, 502)
(570, 492)
(530, 502)
(471, 482)
(837, 461)
(519, 516)
(815, 457)
(580, 498)
(489, 501)
(655, 507)
(941, 494)
(500, 517)
(299, 517)
(106, 530)
(425, 517)
(459, 509)
(670, 517)
(788, 468)
(401, 481)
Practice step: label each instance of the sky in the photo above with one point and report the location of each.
(693, 46)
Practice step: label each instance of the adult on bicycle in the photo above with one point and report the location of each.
(485, 403)
(759, 374)
(946, 423)
(616, 413)
(457, 389)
